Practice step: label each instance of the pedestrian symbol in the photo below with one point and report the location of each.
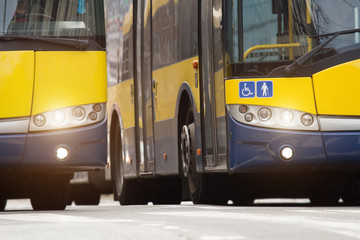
(264, 89)
(247, 89)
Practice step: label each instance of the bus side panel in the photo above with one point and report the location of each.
(16, 83)
(64, 79)
(165, 125)
(125, 101)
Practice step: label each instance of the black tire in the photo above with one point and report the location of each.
(325, 194)
(351, 194)
(85, 195)
(204, 188)
(3, 202)
(51, 192)
(126, 191)
(167, 191)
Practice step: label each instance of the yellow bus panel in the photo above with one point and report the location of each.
(167, 85)
(16, 83)
(293, 93)
(69, 78)
(337, 90)
(125, 100)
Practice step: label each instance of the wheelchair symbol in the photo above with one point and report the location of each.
(246, 91)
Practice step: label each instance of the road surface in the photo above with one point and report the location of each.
(274, 219)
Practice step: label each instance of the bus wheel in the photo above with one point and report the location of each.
(2, 203)
(86, 195)
(351, 193)
(167, 191)
(325, 195)
(51, 192)
(204, 188)
(126, 191)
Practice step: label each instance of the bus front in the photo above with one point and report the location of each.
(53, 94)
(292, 91)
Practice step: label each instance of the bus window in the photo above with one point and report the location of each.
(266, 34)
(55, 18)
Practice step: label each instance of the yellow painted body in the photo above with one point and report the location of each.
(120, 96)
(64, 79)
(168, 81)
(294, 93)
(16, 83)
(337, 90)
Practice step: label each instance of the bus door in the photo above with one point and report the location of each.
(212, 86)
(143, 89)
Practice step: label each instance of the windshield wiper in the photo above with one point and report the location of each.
(78, 43)
(295, 65)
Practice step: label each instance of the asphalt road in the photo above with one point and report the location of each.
(274, 219)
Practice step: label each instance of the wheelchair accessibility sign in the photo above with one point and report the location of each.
(247, 89)
(262, 89)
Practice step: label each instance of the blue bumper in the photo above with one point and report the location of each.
(343, 149)
(87, 146)
(254, 149)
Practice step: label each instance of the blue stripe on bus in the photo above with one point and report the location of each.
(87, 147)
(11, 149)
(255, 149)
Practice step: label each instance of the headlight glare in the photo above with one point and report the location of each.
(273, 117)
(286, 116)
(68, 117)
(58, 116)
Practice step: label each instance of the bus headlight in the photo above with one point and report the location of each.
(58, 116)
(307, 119)
(79, 113)
(39, 120)
(286, 116)
(273, 117)
(69, 117)
(62, 153)
(264, 114)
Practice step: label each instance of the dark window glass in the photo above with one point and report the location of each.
(262, 35)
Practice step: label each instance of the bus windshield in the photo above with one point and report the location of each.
(262, 35)
(52, 18)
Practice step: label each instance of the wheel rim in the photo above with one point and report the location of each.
(185, 150)
(119, 181)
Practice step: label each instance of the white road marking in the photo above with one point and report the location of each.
(56, 218)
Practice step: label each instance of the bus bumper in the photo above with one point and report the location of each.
(11, 149)
(254, 149)
(87, 148)
(343, 149)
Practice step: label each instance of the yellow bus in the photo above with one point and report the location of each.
(53, 97)
(234, 100)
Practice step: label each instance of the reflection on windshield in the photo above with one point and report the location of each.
(262, 35)
(59, 18)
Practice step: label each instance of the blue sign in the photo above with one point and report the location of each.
(247, 89)
(264, 89)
